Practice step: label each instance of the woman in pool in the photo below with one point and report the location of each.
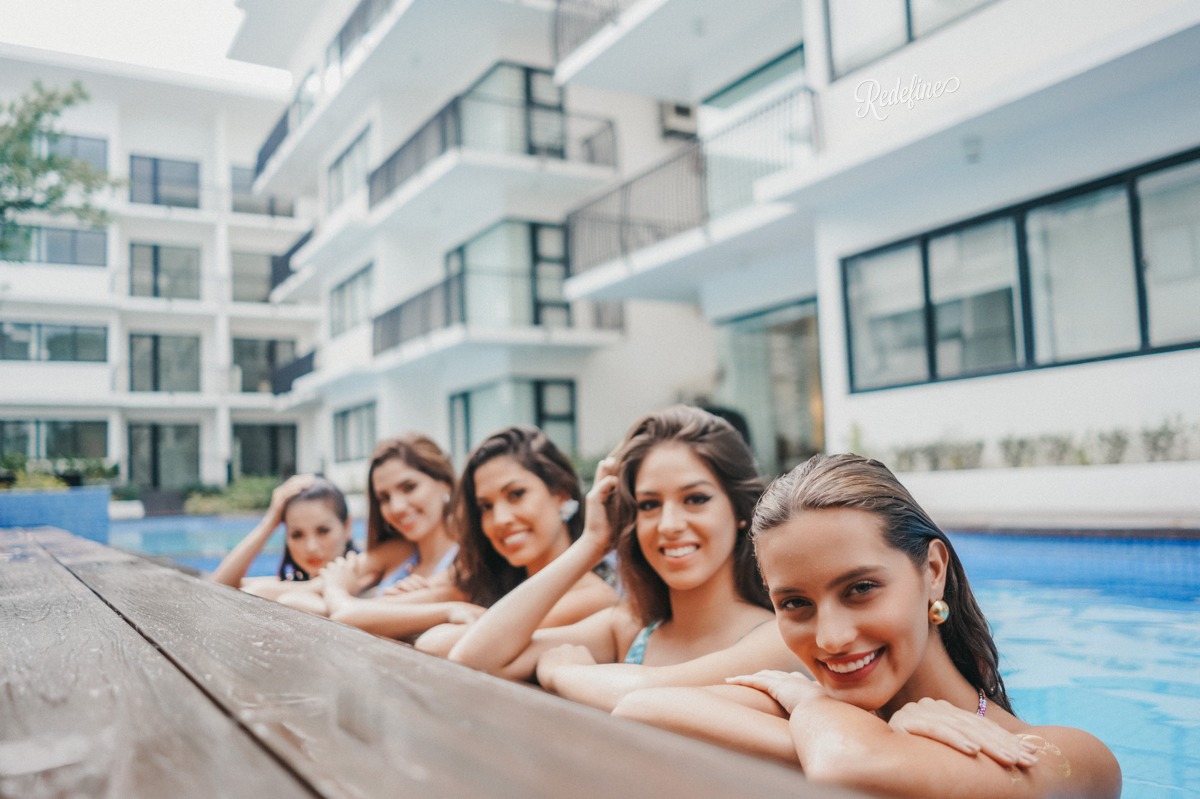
(409, 486)
(517, 508)
(313, 512)
(871, 596)
(680, 493)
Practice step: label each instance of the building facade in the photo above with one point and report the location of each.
(442, 157)
(961, 237)
(150, 342)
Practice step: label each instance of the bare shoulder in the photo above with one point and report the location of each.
(1080, 761)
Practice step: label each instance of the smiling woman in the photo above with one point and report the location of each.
(675, 502)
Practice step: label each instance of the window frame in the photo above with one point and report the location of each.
(1126, 179)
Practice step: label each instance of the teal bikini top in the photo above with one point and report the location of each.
(637, 650)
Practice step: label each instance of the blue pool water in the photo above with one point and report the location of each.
(1097, 633)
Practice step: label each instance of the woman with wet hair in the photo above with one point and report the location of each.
(675, 501)
(317, 531)
(871, 596)
(516, 509)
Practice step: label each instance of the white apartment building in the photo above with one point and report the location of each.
(963, 237)
(150, 342)
(441, 157)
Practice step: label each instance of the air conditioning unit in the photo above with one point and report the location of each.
(677, 120)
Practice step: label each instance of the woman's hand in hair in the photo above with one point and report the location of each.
(597, 529)
(788, 688)
(285, 492)
(963, 730)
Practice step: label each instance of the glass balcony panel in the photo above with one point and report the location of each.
(928, 15)
(862, 30)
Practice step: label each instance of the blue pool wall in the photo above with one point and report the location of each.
(83, 511)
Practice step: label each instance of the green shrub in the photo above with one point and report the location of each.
(39, 480)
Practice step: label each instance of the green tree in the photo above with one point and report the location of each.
(35, 178)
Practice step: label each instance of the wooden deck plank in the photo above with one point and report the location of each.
(89, 708)
(358, 716)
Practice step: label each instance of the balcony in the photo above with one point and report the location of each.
(286, 375)
(415, 53)
(619, 44)
(707, 188)
(489, 308)
(536, 136)
(281, 265)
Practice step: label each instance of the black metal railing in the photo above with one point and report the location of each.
(272, 142)
(704, 180)
(480, 123)
(435, 308)
(283, 377)
(576, 21)
(281, 265)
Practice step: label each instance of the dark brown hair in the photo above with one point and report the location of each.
(726, 454)
(322, 490)
(481, 572)
(416, 451)
(851, 481)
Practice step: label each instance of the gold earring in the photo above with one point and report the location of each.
(939, 611)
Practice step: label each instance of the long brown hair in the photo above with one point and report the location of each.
(726, 454)
(851, 481)
(481, 572)
(417, 451)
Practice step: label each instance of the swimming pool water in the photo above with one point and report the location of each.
(1097, 633)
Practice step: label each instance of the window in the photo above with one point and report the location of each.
(354, 433)
(1170, 205)
(161, 181)
(348, 173)
(1082, 279)
(41, 342)
(350, 302)
(164, 363)
(513, 276)
(973, 288)
(245, 201)
(887, 318)
(251, 276)
(91, 150)
(55, 245)
(164, 456)
(770, 371)
(160, 271)
(861, 31)
(43, 438)
(257, 359)
(1107, 269)
(548, 404)
(264, 449)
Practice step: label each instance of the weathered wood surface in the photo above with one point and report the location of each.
(89, 708)
(357, 716)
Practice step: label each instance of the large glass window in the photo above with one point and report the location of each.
(164, 363)
(160, 271)
(162, 181)
(1082, 278)
(1170, 202)
(264, 449)
(47, 438)
(257, 359)
(89, 149)
(38, 342)
(350, 302)
(771, 374)
(861, 31)
(354, 433)
(974, 290)
(164, 455)
(349, 172)
(887, 318)
(251, 276)
(548, 404)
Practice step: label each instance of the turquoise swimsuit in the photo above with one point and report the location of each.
(637, 650)
(406, 568)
